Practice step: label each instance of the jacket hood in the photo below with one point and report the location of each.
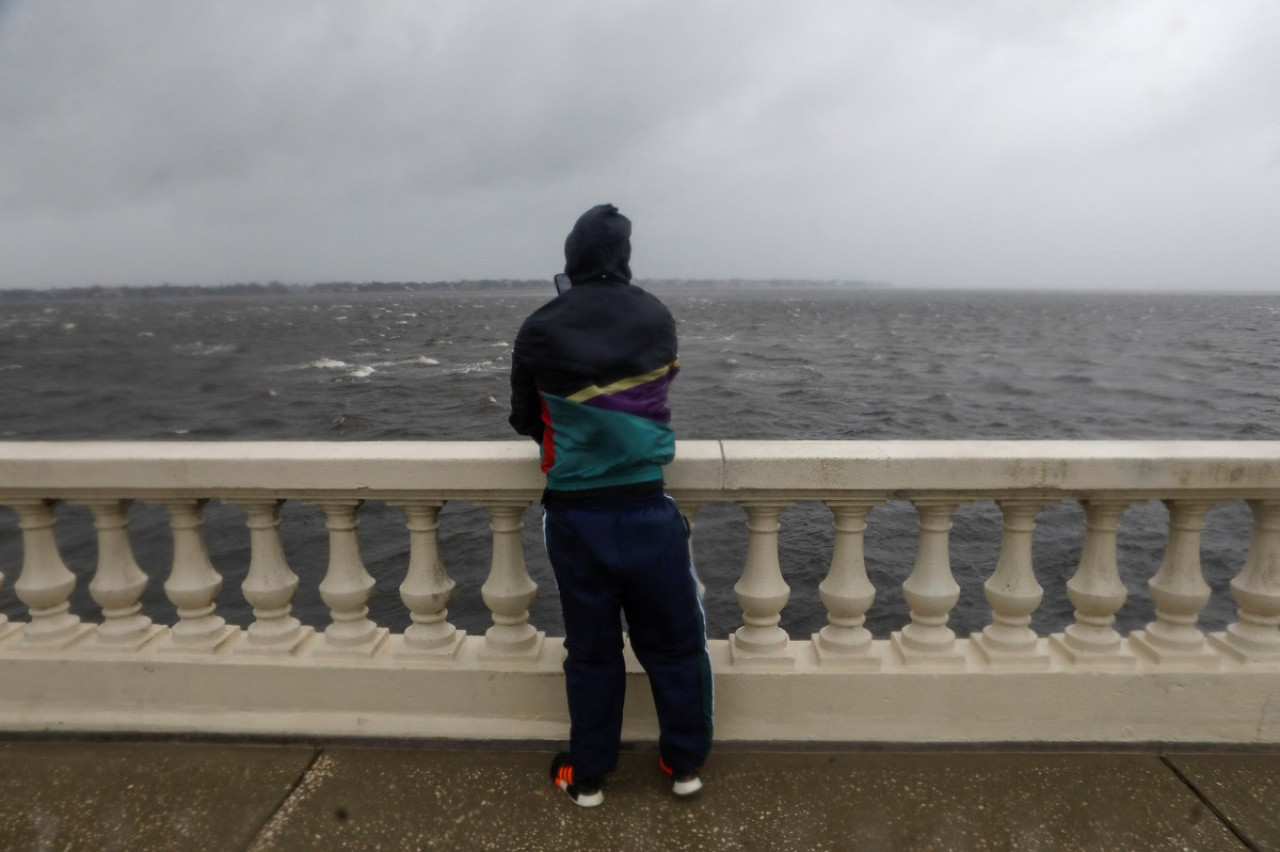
(599, 246)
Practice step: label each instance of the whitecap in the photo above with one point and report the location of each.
(361, 372)
(214, 348)
(328, 364)
(480, 367)
(421, 359)
(501, 343)
(146, 334)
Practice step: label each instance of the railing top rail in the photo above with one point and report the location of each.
(494, 469)
(1164, 468)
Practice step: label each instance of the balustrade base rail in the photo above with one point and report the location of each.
(467, 696)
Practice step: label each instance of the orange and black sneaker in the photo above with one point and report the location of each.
(583, 793)
(682, 783)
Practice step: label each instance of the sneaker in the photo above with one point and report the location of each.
(587, 795)
(684, 784)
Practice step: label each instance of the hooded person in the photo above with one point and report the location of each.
(589, 379)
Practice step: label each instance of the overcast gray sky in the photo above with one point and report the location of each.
(986, 143)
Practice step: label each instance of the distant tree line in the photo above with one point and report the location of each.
(254, 288)
(500, 285)
(154, 291)
(762, 284)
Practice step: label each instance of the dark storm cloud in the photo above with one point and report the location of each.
(147, 97)
(993, 143)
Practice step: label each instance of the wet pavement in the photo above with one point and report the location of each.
(148, 795)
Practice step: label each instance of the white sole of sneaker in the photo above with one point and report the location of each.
(590, 800)
(686, 788)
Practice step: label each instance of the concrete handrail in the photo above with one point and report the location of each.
(386, 469)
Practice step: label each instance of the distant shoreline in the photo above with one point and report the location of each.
(506, 285)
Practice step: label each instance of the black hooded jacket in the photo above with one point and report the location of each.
(591, 368)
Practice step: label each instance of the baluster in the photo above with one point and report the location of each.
(118, 582)
(269, 586)
(193, 583)
(1097, 593)
(931, 591)
(1253, 638)
(346, 586)
(1013, 593)
(689, 509)
(1179, 592)
(7, 627)
(846, 591)
(509, 591)
(45, 584)
(427, 588)
(761, 592)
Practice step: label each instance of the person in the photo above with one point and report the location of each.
(589, 376)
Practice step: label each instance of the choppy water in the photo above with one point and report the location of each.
(867, 364)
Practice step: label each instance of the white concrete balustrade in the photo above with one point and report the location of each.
(114, 669)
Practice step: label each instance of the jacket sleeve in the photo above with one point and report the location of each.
(526, 405)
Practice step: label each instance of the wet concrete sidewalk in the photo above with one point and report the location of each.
(199, 796)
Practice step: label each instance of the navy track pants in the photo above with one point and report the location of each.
(630, 555)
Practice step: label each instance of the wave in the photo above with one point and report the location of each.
(200, 348)
(477, 367)
(420, 361)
